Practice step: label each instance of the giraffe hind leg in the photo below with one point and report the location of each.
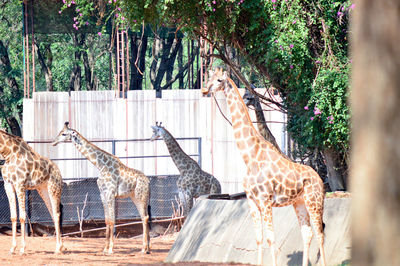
(54, 192)
(305, 227)
(143, 209)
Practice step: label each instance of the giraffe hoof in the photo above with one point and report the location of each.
(145, 251)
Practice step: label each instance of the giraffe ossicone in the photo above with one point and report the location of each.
(25, 169)
(272, 180)
(193, 181)
(116, 180)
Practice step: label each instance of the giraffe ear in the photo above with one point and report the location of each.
(210, 73)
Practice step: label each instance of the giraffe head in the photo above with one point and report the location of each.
(64, 135)
(216, 81)
(158, 131)
(249, 98)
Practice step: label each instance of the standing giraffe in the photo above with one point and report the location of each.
(271, 180)
(193, 182)
(116, 180)
(24, 169)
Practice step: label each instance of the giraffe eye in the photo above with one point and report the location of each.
(63, 134)
(219, 80)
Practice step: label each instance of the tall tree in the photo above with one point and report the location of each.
(10, 105)
(298, 47)
(375, 157)
(138, 59)
(10, 67)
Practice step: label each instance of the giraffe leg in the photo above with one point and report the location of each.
(106, 219)
(55, 200)
(258, 227)
(314, 200)
(111, 223)
(22, 216)
(13, 213)
(316, 220)
(305, 226)
(141, 205)
(267, 215)
(52, 203)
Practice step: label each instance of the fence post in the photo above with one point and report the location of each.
(199, 150)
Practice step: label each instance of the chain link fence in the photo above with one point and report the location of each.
(81, 198)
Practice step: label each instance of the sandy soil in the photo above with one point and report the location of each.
(85, 251)
(88, 251)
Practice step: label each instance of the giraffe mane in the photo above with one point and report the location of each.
(244, 105)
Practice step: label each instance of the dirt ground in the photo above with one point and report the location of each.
(88, 251)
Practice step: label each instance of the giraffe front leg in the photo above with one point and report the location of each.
(106, 220)
(107, 236)
(110, 226)
(258, 228)
(267, 213)
(13, 213)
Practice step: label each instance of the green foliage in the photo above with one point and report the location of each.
(297, 46)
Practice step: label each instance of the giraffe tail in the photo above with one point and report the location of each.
(61, 218)
(149, 213)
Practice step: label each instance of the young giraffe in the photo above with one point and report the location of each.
(116, 180)
(193, 182)
(24, 169)
(272, 180)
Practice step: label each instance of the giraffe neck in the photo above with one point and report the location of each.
(180, 158)
(88, 149)
(246, 136)
(6, 143)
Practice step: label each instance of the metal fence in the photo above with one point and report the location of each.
(81, 198)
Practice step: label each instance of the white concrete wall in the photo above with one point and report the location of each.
(99, 115)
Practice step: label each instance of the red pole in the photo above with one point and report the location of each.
(33, 53)
(27, 49)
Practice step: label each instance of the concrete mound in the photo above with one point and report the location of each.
(221, 231)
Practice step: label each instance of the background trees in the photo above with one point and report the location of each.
(300, 48)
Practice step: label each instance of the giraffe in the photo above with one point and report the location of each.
(25, 169)
(271, 180)
(116, 180)
(193, 182)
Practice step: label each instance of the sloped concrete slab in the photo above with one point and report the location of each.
(221, 231)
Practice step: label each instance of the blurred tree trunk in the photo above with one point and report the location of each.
(375, 158)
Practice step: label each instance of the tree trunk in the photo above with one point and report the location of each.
(75, 80)
(11, 119)
(180, 66)
(45, 59)
(335, 170)
(138, 60)
(375, 153)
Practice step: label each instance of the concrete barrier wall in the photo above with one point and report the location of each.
(221, 231)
